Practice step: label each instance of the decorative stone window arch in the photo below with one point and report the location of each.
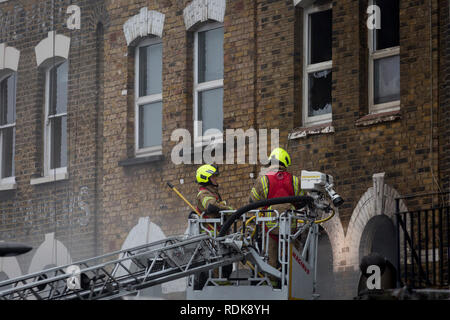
(9, 59)
(303, 3)
(143, 33)
(202, 10)
(203, 17)
(52, 55)
(145, 23)
(9, 65)
(54, 46)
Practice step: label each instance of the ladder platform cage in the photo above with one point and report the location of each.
(221, 258)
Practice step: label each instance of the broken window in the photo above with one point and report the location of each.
(319, 84)
(318, 62)
(320, 37)
(388, 35)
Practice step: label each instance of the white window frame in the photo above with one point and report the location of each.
(56, 172)
(199, 138)
(375, 55)
(8, 182)
(310, 68)
(139, 101)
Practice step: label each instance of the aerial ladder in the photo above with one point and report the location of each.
(238, 239)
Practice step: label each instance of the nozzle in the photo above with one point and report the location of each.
(338, 201)
(336, 198)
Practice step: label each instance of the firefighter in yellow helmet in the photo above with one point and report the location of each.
(208, 196)
(276, 183)
(211, 203)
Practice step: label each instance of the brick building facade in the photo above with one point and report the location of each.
(116, 183)
(45, 205)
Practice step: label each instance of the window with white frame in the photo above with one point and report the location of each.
(55, 136)
(149, 105)
(7, 128)
(384, 59)
(208, 81)
(317, 62)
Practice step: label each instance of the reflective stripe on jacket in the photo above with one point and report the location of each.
(269, 186)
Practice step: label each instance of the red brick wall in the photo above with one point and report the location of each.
(30, 211)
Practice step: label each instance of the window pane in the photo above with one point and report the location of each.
(387, 79)
(8, 100)
(8, 136)
(210, 55)
(320, 36)
(58, 89)
(150, 125)
(58, 142)
(319, 93)
(388, 35)
(150, 70)
(210, 109)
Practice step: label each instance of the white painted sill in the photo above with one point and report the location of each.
(9, 184)
(50, 178)
(303, 132)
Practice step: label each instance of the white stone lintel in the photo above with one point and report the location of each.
(9, 58)
(303, 3)
(55, 45)
(146, 22)
(202, 10)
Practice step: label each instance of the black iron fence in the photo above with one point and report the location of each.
(423, 251)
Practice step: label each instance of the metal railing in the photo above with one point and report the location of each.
(423, 251)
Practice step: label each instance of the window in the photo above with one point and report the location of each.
(55, 143)
(148, 109)
(208, 80)
(317, 74)
(7, 128)
(384, 59)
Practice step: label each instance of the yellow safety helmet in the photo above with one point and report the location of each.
(205, 172)
(281, 156)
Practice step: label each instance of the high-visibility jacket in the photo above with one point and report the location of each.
(210, 195)
(275, 184)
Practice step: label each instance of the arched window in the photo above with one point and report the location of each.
(317, 61)
(148, 97)
(7, 128)
(384, 57)
(208, 80)
(55, 139)
(52, 55)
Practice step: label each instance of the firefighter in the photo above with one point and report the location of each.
(208, 197)
(276, 183)
(210, 202)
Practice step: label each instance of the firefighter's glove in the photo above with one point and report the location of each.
(212, 209)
